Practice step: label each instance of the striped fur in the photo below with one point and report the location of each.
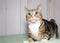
(43, 29)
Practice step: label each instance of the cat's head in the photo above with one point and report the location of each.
(34, 15)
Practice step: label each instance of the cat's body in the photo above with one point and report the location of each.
(34, 27)
(39, 28)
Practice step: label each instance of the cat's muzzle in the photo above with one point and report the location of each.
(33, 21)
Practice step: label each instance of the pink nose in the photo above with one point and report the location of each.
(33, 17)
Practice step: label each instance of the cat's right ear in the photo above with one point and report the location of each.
(27, 10)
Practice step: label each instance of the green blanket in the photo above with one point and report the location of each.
(21, 38)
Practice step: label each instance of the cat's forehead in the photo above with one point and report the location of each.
(33, 10)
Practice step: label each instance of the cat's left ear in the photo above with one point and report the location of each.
(39, 8)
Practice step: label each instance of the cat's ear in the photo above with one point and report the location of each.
(27, 10)
(39, 8)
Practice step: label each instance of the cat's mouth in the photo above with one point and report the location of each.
(33, 21)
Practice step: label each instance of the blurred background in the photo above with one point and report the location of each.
(13, 14)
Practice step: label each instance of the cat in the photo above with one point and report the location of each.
(38, 27)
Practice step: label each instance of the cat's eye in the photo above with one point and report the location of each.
(36, 12)
(29, 13)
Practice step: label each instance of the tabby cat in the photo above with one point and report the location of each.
(39, 28)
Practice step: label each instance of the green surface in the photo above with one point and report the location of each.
(50, 41)
(13, 38)
(21, 38)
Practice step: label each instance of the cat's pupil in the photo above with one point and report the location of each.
(36, 12)
(29, 13)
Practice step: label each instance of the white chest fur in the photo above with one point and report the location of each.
(34, 27)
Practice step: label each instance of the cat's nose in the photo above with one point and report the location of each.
(33, 17)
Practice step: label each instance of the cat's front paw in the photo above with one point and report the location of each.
(28, 42)
(44, 40)
(30, 39)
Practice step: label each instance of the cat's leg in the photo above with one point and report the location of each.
(29, 35)
(30, 39)
(45, 37)
(57, 36)
(44, 40)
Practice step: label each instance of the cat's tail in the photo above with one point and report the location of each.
(52, 20)
(56, 27)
